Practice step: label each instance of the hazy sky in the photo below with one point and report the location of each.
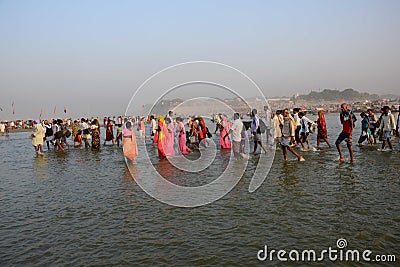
(92, 55)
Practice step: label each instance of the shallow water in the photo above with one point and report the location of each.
(84, 208)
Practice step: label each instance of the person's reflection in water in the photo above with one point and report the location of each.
(39, 168)
(289, 174)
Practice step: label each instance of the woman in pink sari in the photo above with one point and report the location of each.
(180, 129)
(170, 138)
(224, 136)
(129, 142)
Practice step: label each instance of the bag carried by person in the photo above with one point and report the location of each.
(209, 135)
(262, 127)
(58, 135)
(67, 133)
(193, 139)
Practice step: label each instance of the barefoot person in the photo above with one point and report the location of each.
(365, 130)
(387, 125)
(129, 142)
(38, 137)
(287, 138)
(180, 130)
(109, 132)
(322, 135)
(236, 132)
(256, 131)
(304, 131)
(346, 119)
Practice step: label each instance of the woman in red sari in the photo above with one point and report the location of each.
(203, 129)
(322, 135)
(109, 132)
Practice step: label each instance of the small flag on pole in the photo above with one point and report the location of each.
(55, 108)
(12, 105)
(40, 115)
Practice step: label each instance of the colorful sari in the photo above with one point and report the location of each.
(129, 144)
(96, 138)
(169, 148)
(162, 138)
(182, 139)
(109, 132)
(321, 125)
(224, 137)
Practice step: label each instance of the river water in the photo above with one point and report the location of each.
(84, 208)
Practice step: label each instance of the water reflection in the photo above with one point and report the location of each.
(40, 167)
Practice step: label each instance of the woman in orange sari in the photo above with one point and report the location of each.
(322, 132)
(162, 137)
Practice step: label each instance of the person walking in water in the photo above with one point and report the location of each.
(287, 138)
(387, 125)
(95, 128)
(38, 137)
(129, 142)
(236, 132)
(346, 119)
(304, 130)
(322, 135)
(109, 132)
(372, 123)
(256, 132)
(398, 125)
(49, 133)
(180, 129)
(365, 130)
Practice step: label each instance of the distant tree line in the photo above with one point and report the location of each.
(336, 95)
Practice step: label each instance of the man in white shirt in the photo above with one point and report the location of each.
(153, 125)
(236, 132)
(398, 124)
(268, 122)
(297, 124)
(387, 125)
(2, 128)
(85, 132)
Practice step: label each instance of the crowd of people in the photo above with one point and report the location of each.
(290, 129)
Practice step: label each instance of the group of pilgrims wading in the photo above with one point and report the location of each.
(176, 135)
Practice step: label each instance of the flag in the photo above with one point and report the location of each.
(65, 110)
(55, 108)
(12, 105)
(40, 115)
